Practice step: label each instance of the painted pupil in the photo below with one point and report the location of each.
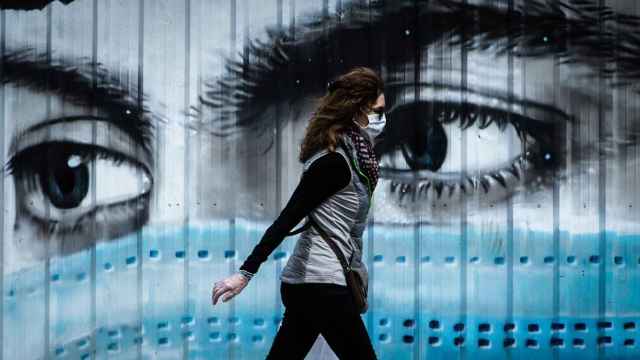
(426, 150)
(65, 186)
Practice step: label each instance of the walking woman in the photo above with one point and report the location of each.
(335, 189)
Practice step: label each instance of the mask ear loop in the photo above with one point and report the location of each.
(365, 114)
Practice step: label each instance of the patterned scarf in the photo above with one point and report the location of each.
(367, 161)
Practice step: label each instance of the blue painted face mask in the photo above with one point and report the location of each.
(151, 304)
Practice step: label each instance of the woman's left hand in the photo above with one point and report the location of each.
(232, 286)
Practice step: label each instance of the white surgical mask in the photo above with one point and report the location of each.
(375, 126)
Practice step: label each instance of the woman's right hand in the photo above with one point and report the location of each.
(230, 286)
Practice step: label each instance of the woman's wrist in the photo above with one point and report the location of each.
(246, 274)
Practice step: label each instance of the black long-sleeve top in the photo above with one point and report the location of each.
(326, 176)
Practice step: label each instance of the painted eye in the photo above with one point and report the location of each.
(437, 147)
(424, 154)
(62, 183)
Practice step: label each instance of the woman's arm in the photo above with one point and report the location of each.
(326, 176)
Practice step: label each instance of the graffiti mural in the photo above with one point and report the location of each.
(148, 145)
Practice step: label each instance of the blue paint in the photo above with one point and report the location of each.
(398, 329)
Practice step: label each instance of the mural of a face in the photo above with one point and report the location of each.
(147, 145)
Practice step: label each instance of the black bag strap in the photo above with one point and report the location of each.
(334, 247)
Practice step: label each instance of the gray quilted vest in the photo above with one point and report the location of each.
(343, 216)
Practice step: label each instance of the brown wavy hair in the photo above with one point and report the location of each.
(350, 95)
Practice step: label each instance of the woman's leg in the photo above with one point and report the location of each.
(345, 332)
(299, 328)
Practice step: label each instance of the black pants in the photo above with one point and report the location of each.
(327, 309)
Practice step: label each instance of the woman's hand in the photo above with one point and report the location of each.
(232, 286)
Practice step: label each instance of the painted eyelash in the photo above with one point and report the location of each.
(35, 156)
(80, 225)
(85, 82)
(471, 114)
(471, 183)
(542, 28)
(231, 93)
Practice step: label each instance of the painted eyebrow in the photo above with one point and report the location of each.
(75, 84)
(284, 67)
(28, 4)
